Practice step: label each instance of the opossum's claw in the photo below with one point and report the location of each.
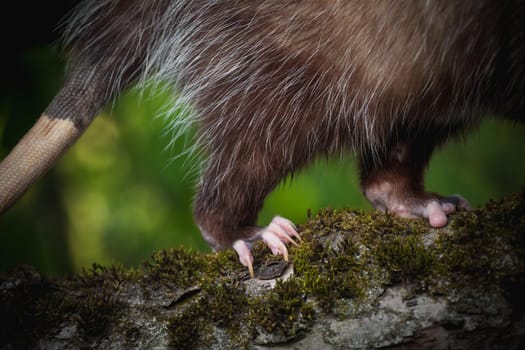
(243, 249)
(275, 235)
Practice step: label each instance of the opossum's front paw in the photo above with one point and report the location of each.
(279, 232)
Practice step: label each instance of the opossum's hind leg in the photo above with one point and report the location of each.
(228, 202)
(396, 184)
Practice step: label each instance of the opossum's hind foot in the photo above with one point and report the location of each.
(276, 235)
(431, 206)
(395, 184)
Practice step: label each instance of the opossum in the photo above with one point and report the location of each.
(274, 84)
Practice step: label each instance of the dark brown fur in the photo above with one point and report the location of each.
(275, 84)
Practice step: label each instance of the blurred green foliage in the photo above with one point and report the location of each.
(119, 194)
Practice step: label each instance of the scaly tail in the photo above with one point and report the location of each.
(67, 117)
(108, 41)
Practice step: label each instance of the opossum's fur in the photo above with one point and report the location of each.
(368, 66)
(275, 83)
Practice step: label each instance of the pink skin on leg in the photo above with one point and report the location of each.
(279, 232)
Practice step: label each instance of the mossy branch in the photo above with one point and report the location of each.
(359, 280)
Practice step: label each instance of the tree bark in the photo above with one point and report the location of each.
(358, 280)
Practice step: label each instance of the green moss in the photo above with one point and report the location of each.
(340, 245)
(327, 273)
(186, 330)
(174, 267)
(222, 304)
(225, 303)
(93, 296)
(391, 250)
(283, 311)
(485, 245)
(332, 278)
(405, 257)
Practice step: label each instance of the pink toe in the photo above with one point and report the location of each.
(275, 244)
(287, 225)
(448, 208)
(438, 220)
(436, 215)
(280, 233)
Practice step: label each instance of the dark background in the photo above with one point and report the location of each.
(119, 194)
